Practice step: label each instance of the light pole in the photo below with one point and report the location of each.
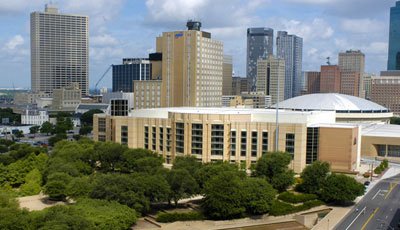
(277, 118)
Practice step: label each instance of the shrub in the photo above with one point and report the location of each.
(280, 208)
(296, 198)
(366, 174)
(179, 216)
(378, 170)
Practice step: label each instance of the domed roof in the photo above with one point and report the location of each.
(331, 101)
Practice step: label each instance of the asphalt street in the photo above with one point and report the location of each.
(379, 208)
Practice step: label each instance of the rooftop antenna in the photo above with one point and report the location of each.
(328, 60)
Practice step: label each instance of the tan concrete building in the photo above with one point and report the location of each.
(239, 85)
(192, 72)
(352, 67)
(147, 94)
(233, 135)
(350, 83)
(271, 78)
(330, 79)
(385, 90)
(66, 98)
(29, 97)
(227, 73)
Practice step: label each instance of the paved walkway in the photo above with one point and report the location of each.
(36, 202)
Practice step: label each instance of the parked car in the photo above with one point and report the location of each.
(366, 183)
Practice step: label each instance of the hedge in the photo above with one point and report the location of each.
(165, 217)
(279, 208)
(296, 198)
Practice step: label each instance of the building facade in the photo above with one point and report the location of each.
(192, 72)
(330, 79)
(34, 117)
(239, 85)
(59, 51)
(260, 43)
(147, 94)
(313, 81)
(227, 75)
(290, 48)
(394, 38)
(271, 78)
(239, 136)
(352, 70)
(66, 98)
(385, 90)
(131, 69)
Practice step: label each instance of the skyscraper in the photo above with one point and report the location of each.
(259, 45)
(394, 38)
(290, 48)
(271, 77)
(352, 68)
(227, 75)
(59, 51)
(130, 70)
(191, 68)
(330, 79)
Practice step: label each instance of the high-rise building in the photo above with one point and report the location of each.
(131, 69)
(260, 43)
(67, 98)
(239, 85)
(385, 91)
(367, 85)
(191, 68)
(394, 38)
(59, 51)
(313, 81)
(330, 79)
(227, 75)
(352, 68)
(271, 77)
(290, 48)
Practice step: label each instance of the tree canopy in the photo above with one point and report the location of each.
(339, 188)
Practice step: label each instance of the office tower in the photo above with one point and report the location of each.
(147, 94)
(271, 78)
(394, 38)
(385, 91)
(227, 75)
(239, 85)
(367, 85)
(59, 51)
(66, 98)
(290, 48)
(259, 45)
(352, 68)
(313, 81)
(330, 79)
(191, 68)
(130, 70)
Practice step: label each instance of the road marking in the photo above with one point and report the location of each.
(390, 190)
(369, 219)
(356, 218)
(376, 194)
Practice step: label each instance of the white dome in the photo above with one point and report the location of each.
(333, 102)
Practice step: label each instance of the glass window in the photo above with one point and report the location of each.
(197, 138)
(243, 143)
(290, 138)
(233, 143)
(217, 139)
(180, 137)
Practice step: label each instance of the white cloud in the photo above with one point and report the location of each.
(364, 25)
(103, 40)
(18, 5)
(17, 40)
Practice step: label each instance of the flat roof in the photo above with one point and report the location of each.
(380, 130)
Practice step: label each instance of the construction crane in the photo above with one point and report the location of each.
(102, 76)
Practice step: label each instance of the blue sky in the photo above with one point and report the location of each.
(122, 28)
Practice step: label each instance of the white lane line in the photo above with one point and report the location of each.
(376, 194)
(356, 218)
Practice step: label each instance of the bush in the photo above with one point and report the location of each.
(166, 217)
(296, 198)
(379, 169)
(367, 175)
(280, 208)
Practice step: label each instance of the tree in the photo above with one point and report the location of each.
(258, 195)
(313, 176)
(338, 188)
(87, 117)
(58, 137)
(182, 184)
(19, 134)
(56, 186)
(79, 187)
(85, 130)
(109, 155)
(154, 187)
(274, 167)
(190, 163)
(210, 170)
(46, 128)
(223, 197)
(34, 129)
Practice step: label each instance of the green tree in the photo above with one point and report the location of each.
(189, 163)
(154, 187)
(85, 130)
(313, 176)
(338, 188)
(109, 155)
(182, 184)
(395, 120)
(32, 185)
(258, 195)
(223, 196)
(140, 160)
(19, 134)
(34, 129)
(210, 170)
(56, 186)
(11, 217)
(46, 128)
(79, 187)
(274, 167)
(56, 138)
(87, 117)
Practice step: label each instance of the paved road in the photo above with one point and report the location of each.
(379, 209)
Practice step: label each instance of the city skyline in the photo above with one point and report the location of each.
(128, 29)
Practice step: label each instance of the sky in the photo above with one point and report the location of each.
(128, 28)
